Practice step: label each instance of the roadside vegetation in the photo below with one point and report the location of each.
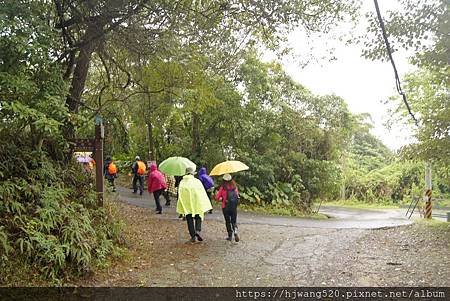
(187, 78)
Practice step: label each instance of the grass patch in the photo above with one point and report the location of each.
(124, 180)
(434, 223)
(282, 211)
(359, 204)
(16, 272)
(434, 228)
(441, 204)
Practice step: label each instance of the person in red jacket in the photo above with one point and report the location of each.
(229, 195)
(156, 184)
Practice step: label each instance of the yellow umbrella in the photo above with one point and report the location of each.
(228, 167)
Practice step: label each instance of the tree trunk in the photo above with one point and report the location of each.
(37, 138)
(79, 77)
(148, 117)
(343, 191)
(151, 143)
(344, 172)
(196, 143)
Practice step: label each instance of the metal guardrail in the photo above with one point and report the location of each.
(440, 215)
(412, 207)
(415, 201)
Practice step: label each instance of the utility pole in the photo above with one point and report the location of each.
(428, 186)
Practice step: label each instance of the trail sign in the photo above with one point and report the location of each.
(94, 145)
(83, 144)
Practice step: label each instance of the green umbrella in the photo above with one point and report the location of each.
(176, 166)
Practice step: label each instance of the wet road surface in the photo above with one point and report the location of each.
(340, 218)
(354, 247)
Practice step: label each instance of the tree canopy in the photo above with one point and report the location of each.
(421, 28)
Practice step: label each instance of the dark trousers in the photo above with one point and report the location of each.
(208, 193)
(111, 182)
(194, 224)
(156, 195)
(166, 195)
(230, 215)
(137, 178)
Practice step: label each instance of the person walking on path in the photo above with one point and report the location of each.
(171, 189)
(110, 172)
(138, 170)
(156, 184)
(229, 195)
(177, 185)
(208, 183)
(193, 203)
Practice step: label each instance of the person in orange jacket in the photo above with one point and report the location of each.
(110, 172)
(138, 170)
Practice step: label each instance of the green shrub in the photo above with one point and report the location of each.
(396, 182)
(50, 223)
(278, 194)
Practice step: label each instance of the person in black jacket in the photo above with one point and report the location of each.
(137, 177)
(107, 173)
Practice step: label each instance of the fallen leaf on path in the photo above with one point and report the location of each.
(393, 263)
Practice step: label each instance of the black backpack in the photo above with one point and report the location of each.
(232, 197)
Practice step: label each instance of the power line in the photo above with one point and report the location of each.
(388, 49)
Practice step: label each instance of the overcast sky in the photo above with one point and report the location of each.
(362, 83)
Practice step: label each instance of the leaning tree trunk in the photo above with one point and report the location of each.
(90, 42)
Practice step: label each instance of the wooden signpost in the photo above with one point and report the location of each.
(99, 135)
(83, 145)
(96, 146)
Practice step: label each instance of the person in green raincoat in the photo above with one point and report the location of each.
(193, 203)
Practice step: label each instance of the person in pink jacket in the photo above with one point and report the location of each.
(156, 184)
(228, 194)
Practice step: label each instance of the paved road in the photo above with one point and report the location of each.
(439, 212)
(340, 218)
(349, 249)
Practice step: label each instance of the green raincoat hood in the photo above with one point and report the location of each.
(192, 198)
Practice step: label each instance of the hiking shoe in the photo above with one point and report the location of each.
(192, 239)
(229, 238)
(159, 212)
(199, 237)
(236, 237)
